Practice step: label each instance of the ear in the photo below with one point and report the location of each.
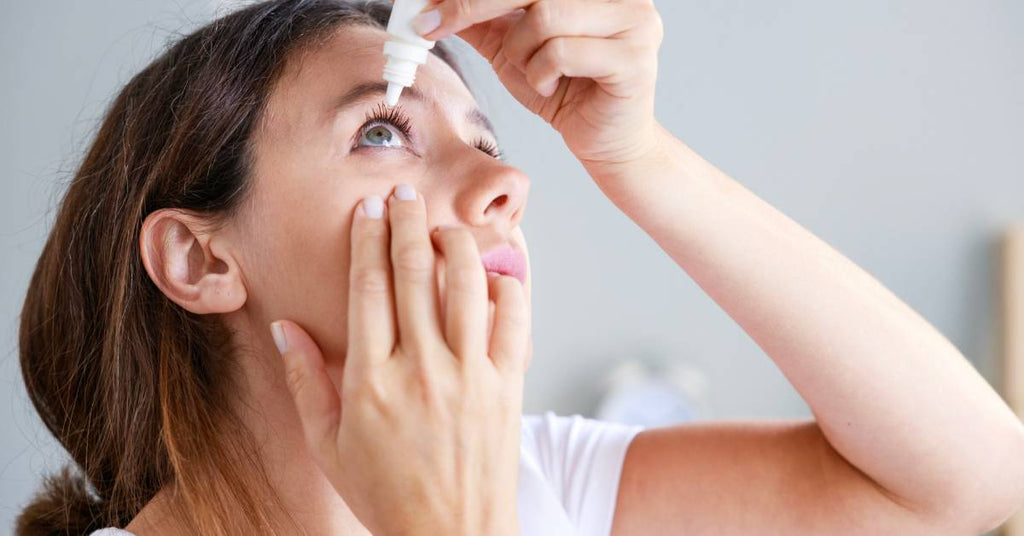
(190, 265)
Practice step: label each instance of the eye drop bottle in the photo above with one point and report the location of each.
(405, 50)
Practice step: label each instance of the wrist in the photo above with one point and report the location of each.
(650, 153)
(620, 181)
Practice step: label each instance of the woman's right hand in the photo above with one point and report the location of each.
(422, 438)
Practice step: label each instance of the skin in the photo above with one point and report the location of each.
(886, 452)
(309, 178)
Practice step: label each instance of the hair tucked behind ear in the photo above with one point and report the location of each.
(134, 387)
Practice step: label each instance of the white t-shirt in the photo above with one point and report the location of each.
(569, 470)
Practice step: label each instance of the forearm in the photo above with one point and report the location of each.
(890, 393)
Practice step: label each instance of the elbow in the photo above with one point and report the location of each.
(997, 492)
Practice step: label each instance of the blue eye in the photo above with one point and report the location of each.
(380, 135)
(391, 128)
(385, 127)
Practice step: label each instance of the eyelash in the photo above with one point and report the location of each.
(398, 119)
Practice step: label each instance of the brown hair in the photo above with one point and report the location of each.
(133, 386)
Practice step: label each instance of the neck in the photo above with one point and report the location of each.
(268, 412)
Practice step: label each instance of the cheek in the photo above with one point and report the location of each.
(300, 260)
(316, 261)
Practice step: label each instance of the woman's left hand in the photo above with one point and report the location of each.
(587, 67)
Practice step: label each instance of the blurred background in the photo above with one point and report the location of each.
(893, 131)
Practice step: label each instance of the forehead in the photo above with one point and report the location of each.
(314, 79)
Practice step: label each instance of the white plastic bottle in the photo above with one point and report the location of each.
(406, 50)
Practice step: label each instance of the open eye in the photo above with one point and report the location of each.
(385, 127)
(380, 135)
(390, 127)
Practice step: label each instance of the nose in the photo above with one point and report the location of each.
(494, 195)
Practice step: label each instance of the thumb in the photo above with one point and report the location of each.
(314, 394)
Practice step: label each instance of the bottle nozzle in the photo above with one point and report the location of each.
(394, 91)
(405, 49)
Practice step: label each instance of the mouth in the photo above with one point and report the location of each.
(506, 260)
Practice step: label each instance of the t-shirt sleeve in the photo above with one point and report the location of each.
(582, 459)
(110, 531)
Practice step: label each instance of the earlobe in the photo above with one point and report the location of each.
(188, 263)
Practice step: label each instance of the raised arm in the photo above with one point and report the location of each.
(907, 437)
(902, 418)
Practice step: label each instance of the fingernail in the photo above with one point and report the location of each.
(373, 207)
(492, 275)
(405, 192)
(278, 331)
(426, 21)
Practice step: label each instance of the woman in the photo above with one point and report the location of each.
(232, 185)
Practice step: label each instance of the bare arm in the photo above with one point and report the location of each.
(891, 395)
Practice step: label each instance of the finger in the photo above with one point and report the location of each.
(487, 37)
(466, 292)
(457, 15)
(315, 395)
(565, 18)
(413, 265)
(511, 329)
(490, 310)
(371, 305)
(607, 61)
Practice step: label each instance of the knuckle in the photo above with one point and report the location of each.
(635, 49)
(413, 260)
(369, 386)
(426, 385)
(556, 51)
(408, 213)
(375, 396)
(657, 26)
(369, 232)
(367, 391)
(371, 281)
(652, 23)
(542, 17)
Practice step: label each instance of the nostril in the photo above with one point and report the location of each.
(500, 200)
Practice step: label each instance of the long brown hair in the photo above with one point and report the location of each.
(136, 388)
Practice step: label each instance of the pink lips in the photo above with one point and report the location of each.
(506, 260)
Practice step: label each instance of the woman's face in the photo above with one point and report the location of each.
(320, 151)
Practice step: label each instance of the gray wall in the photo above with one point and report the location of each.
(892, 132)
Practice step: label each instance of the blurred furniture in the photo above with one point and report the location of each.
(1013, 339)
(640, 392)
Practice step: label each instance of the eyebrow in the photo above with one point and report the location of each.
(361, 91)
